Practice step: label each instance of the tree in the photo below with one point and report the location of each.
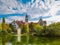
(6, 26)
(54, 29)
(0, 27)
(38, 28)
(35, 28)
(25, 28)
(32, 26)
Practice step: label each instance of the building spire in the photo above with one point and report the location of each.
(26, 18)
(41, 22)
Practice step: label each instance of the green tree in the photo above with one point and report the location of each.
(54, 29)
(36, 27)
(32, 26)
(0, 27)
(25, 28)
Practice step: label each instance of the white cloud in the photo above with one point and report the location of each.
(53, 7)
(8, 21)
(34, 9)
(8, 5)
(52, 19)
(12, 18)
(17, 18)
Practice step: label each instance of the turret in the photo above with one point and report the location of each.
(26, 18)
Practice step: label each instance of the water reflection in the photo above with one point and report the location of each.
(29, 40)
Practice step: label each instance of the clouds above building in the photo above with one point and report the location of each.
(49, 10)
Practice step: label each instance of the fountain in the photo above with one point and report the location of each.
(19, 35)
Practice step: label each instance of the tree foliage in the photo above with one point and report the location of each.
(54, 29)
(36, 27)
(25, 28)
(0, 27)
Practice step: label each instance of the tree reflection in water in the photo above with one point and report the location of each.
(29, 40)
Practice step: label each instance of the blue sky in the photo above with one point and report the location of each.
(49, 10)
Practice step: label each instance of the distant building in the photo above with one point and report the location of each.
(20, 22)
(14, 26)
(26, 19)
(42, 23)
(26, 22)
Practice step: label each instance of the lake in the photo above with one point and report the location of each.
(29, 40)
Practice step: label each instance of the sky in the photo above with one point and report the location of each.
(48, 10)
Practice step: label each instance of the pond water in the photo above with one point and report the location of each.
(29, 40)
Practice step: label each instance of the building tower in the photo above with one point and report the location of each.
(41, 22)
(27, 25)
(26, 19)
